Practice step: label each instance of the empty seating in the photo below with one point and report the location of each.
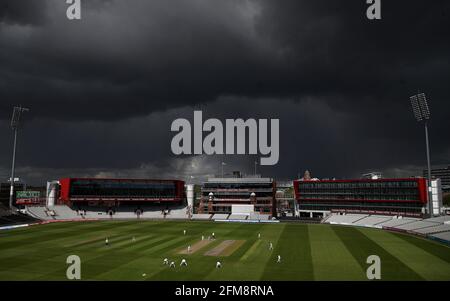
(264, 217)
(346, 219)
(237, 217)
(16, 219)
(394, 222)
(201, 216)
(64, 212)
(434, 229)
(443, 236)
(152, 214)
(219, 216)
(416, 225)
(178, 213)
(373, 220)
(39, 212)
(440, 219)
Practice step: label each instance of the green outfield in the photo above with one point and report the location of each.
(308, 252)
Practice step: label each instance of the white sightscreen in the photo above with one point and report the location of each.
(242, 209)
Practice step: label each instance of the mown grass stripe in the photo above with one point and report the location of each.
(361, 247)
(251, 250)
(331, 258)
(39, 253)
(434, 248)
(423, 263)
(295, 250)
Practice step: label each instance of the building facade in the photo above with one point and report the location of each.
(406, 197)
(116, 192)
(219, 194)
(442, 173)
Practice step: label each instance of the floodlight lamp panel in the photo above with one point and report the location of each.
(424, 106)
(416, 108)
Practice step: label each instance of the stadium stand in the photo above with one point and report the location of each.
(434, 229)
(346, 219)
(417, 225)
(264, 217)
(16, 219)
(4, 211)
(178, 213)
(373, 221)
(397, 221)
(437, 228)
(220, 216)
(124, 215)
(445, 236)
(157, 214)
(238, 217)
(440, 219)
(63, 212)
(8, 218)
(39, 212)
(254, 216)
(201, 216)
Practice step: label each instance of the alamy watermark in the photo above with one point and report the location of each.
(373, 11)
(235, 137)
(374, 270)
(73, 271)
(73, 12)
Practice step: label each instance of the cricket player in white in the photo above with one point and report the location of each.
(189, 249)
(184, 232)
(271, 246)
(183, 262)
(213, 236)
(166, 261)
(172, 264)
(106, 241)
(218, 265)
(278, 259)
(259, 235)
(203, 237)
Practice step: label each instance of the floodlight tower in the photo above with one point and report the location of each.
(422, 113)
(15, 125)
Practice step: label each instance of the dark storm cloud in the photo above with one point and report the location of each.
(339, 50)
(23, 12)
(157, 55)
(153, 54)
(109, 85)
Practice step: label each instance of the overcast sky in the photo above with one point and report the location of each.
(104, 90)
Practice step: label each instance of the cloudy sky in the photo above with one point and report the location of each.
(104, 90)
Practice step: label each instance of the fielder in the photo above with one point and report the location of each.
(278, 259)
(183, 262)
(218, 265)
(270, 246)
(172, 264)
(166, 261)
(184, 232)
(106, 241)
(259, 235)
(213, 236)
(189, 249)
